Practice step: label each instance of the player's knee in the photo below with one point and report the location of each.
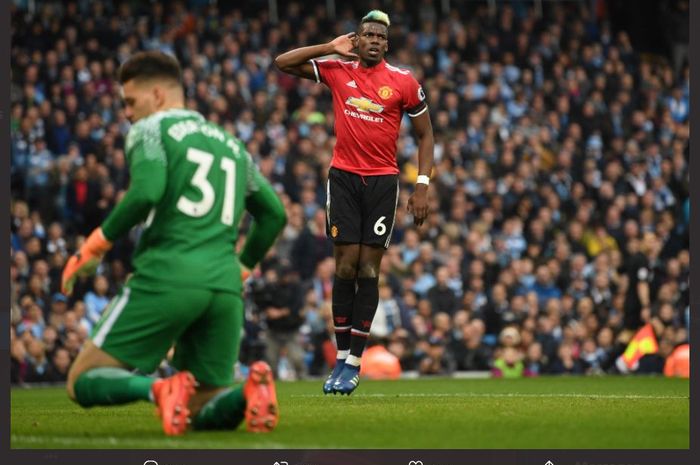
(367, 270)
(202, 396)
(194, 410)
(70, 388)
(70, 392)
(346, 270)
(73, 375)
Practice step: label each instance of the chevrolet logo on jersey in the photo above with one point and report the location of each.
(364, 104)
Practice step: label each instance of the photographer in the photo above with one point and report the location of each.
(278, 296)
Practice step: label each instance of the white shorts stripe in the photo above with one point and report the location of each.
(119, 305)
(328, 203)
(391, 230)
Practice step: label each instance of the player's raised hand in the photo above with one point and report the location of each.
(418, 205)
(344, 45)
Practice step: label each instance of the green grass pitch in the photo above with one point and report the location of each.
(541, 413)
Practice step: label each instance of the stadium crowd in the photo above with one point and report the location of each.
(559, 198)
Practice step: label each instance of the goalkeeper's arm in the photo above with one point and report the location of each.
(269, 219)
(145, 190)
(147, 186)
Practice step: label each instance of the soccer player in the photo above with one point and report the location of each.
(369, 99)
(190, 185)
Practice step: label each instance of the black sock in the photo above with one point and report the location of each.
(343, 300)
(366, 301)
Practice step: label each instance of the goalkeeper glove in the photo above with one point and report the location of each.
(86, 260)
(248, 274)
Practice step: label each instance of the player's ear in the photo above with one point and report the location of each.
(158, 96)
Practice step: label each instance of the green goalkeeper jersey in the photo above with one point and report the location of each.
(191, 183)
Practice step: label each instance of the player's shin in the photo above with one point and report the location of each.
(365, 306)
(111, 386)
(343, 303)
(224, 411)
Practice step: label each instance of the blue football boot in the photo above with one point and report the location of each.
(348, 380)
(328, 384)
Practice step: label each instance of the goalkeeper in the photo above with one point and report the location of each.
(191, 183)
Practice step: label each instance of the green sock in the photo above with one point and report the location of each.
(225, 410)
(111, 386)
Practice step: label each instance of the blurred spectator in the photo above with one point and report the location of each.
(18, 364)
(60, 364)
(388, 315)
(544, 287)
(677, 29)
(38, 366)
(509, 364)
(470, 353)
(96, 300)
(400, 345)
(593, 357)
(534, 362)
(436, 359)
(566, 362)
(442, 297)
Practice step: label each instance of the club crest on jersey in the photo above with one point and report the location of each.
(364, 104)
(385, 92)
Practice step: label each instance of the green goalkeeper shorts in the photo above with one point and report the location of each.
(140, 325)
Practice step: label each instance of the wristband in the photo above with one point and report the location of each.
(423, 179)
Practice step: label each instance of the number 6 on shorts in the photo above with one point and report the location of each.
(380, 227)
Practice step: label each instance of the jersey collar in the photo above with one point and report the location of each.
(371, 69)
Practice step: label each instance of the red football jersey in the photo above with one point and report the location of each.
(368, 104)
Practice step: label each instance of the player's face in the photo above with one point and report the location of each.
(140, 100)
(372, 42)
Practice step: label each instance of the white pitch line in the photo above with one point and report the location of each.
(126, 443)
(513, 395)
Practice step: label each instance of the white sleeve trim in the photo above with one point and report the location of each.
(313, 63)
(425, 108)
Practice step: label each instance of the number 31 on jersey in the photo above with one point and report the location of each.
(204, 161)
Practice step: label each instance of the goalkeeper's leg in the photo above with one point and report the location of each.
(225, 408)
(97, 378)
(209, 348)
(218, 408)
(135, 332)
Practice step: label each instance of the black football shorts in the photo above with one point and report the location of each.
(361, 209)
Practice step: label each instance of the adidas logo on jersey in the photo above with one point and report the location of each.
(352, 84)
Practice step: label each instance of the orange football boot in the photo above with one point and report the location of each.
(172, 395)
(262, 412)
